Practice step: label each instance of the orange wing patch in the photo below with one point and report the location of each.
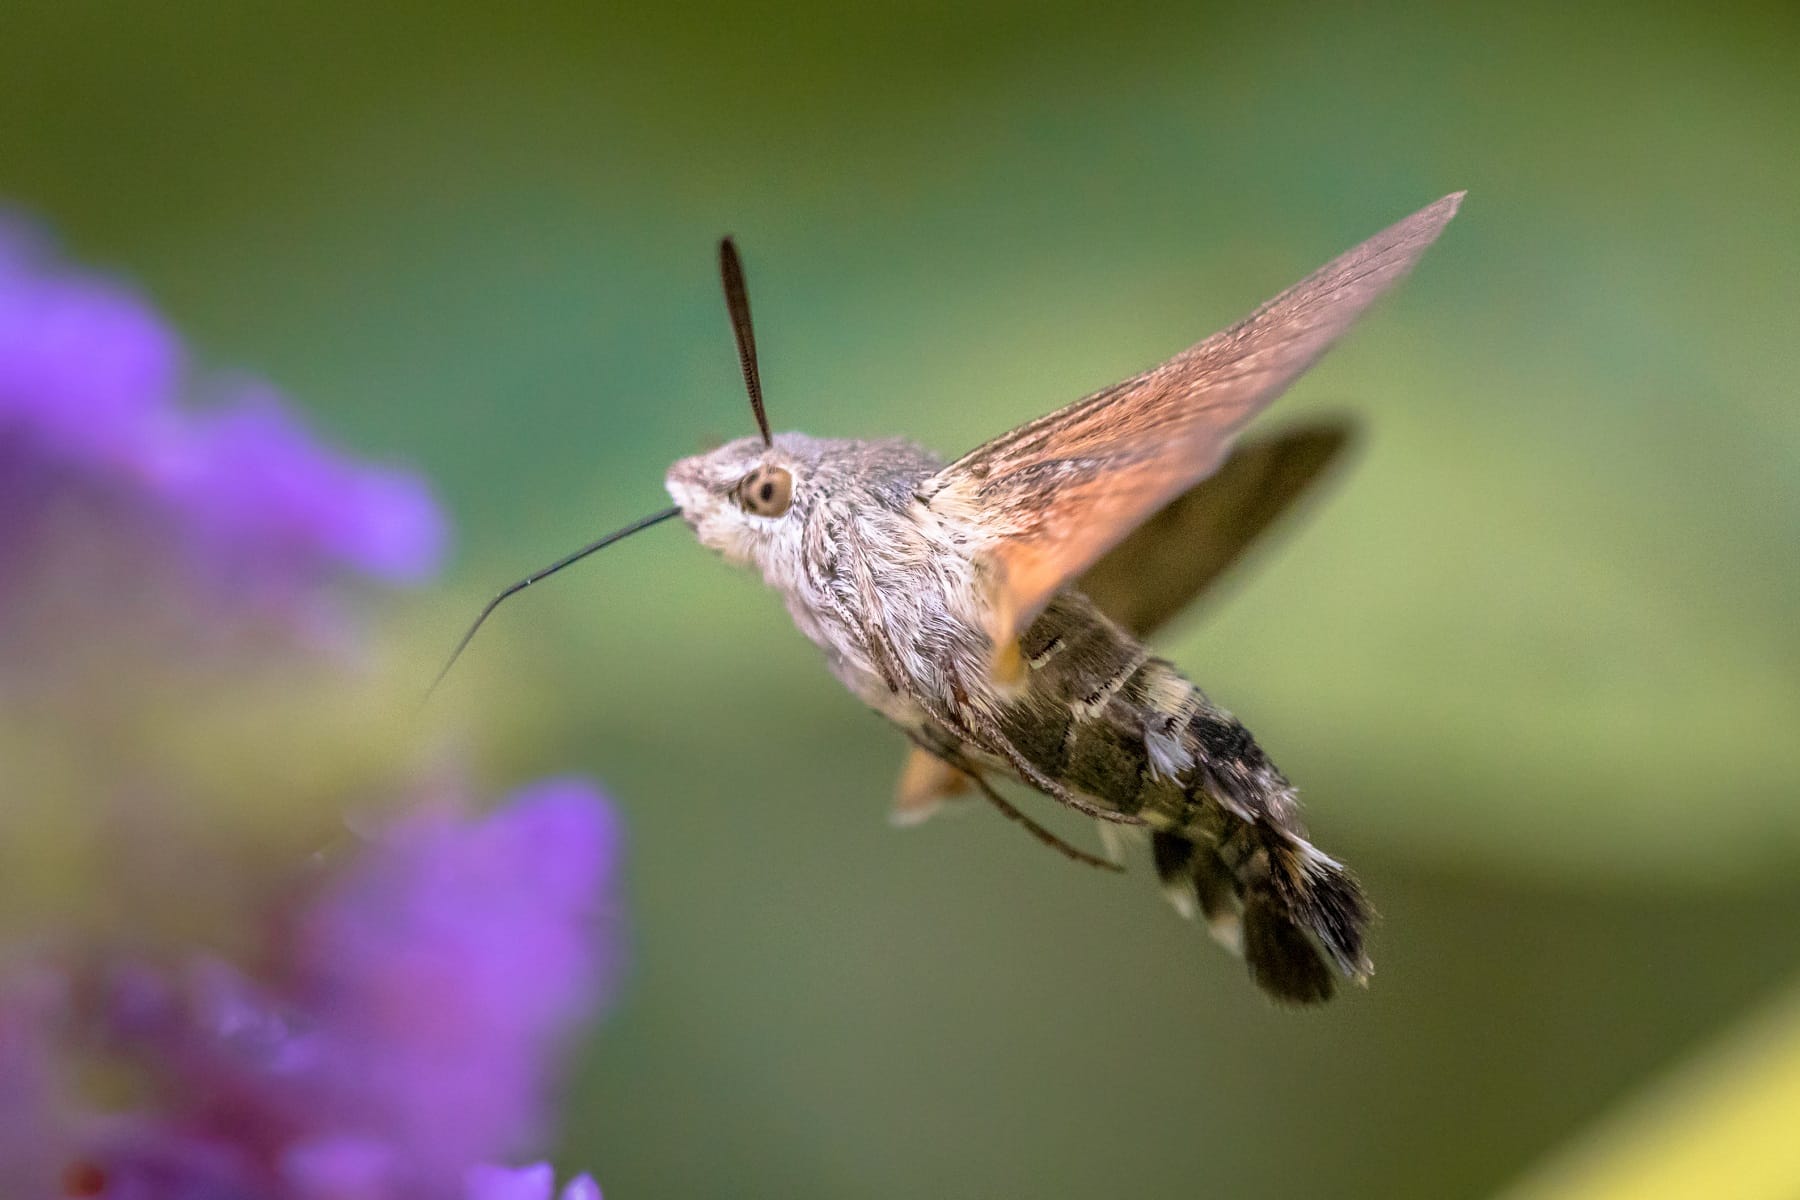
(1043, 503)
(926, 781)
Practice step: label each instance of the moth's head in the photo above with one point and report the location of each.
(751, 499)
(747, 496)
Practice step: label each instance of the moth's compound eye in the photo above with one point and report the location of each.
(766, 492)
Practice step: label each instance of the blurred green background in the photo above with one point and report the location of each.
(1534, 660)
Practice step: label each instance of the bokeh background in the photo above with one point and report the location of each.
(1533, 660)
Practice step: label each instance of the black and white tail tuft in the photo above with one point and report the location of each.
(1297, 917)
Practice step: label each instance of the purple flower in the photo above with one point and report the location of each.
(30, 1097)
(399, 1033)
(86, 368)
(255, 480)
(93, 432)
(178, 590)
(454, 961)
(378, 1022)
(536, 1182)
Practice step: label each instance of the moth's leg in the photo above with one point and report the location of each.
(1038, 831)
(984, 733)
(949, 756)
(1056, 791)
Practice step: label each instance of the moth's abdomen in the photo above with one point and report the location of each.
(1128, 731)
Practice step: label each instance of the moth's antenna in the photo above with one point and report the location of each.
(737, 300)
(1038, 831)
(552, 569)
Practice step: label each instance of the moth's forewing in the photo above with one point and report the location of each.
(1169, 560)
(1043, 503)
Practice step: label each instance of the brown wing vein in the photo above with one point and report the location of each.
(1043, 502)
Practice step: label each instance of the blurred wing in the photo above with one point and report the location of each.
(1041, 504)
(926, 781)
(1174, 556)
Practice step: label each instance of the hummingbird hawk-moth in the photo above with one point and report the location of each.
(994, 609)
